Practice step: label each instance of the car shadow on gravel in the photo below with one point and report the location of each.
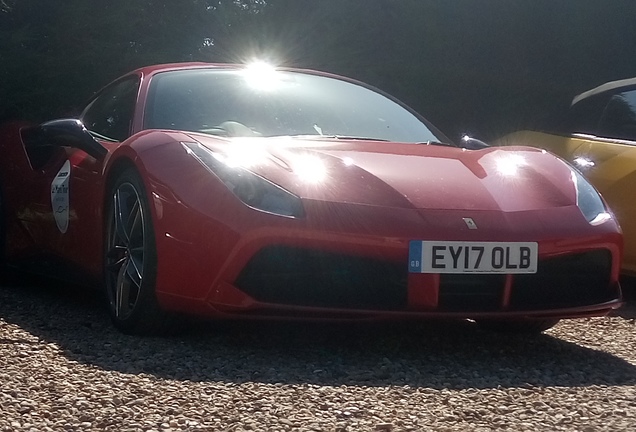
(434, 355)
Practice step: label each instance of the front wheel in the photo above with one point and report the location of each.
(130, 263)
(525, 326)
(3, 231)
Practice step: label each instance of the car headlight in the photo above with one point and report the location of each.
(253, 190)
(589, 201)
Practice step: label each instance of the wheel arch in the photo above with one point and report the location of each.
(115, 169)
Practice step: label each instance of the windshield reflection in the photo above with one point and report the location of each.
(263, 102)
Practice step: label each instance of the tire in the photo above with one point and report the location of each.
(3, 231)
(8, 275)
(130, 258)
(527, 326)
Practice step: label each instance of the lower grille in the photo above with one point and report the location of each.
(568, 281)
(303, 277)
(295, 276)
(471, 293)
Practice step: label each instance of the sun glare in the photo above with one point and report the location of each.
(309, 168)
(508, 165)
(583, 162)
(244, 154)
(261, 76)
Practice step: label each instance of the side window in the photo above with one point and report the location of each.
(583, 117)
(110, 114)
(618, 119)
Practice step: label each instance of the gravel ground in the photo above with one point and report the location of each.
(63, 367)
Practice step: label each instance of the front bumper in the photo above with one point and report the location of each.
(351, 262)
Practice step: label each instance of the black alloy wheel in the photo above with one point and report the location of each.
(3, 232)
(131, 258)
(7, 276)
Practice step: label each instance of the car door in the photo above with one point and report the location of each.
(62, 200)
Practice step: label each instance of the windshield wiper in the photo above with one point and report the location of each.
(361, 138)
(437, 143)
(354, 138)
(337, 137)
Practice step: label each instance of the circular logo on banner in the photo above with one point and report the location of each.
(59, 196)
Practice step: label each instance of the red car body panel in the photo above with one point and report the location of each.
(374, 199)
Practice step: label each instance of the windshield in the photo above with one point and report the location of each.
(236, 103)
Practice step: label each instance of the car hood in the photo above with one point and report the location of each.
(402, 175)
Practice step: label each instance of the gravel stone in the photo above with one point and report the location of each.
(64, 368)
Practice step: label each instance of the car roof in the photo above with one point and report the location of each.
(150, 70)
(608, 86)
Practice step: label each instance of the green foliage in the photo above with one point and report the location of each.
(484, 67)
(5, 6)
(55, 54)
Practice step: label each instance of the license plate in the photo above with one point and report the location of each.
(473, 257)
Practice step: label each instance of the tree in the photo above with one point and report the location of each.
(484, 67)
(55, 54)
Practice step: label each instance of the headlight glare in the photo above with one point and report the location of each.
(253, 190)
(589, 201)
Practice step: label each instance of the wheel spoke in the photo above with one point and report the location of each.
(115, 252)
(134, 272)
(122, 293)
(116, 265)
(120, 218)
(134, 228)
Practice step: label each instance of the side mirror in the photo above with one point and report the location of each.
(471, 143)
(64, 132)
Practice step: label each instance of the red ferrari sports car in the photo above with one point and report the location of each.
(226, 191)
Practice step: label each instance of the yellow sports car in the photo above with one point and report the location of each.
(598, 136)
